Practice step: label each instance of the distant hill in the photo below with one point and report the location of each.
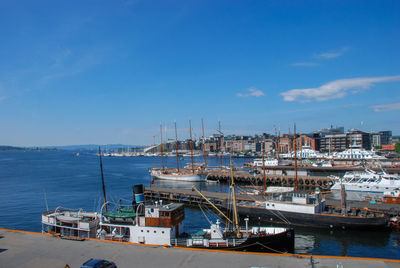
(93, 147)
(6, 148)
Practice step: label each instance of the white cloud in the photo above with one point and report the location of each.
(386, 107)
(305, 64)
(331, 54)
(335, 89)
(253, 92)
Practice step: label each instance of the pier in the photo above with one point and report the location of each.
(245, 177)
(29, 249)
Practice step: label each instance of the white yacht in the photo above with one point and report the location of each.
(357, 154)
(367, 181)
(305, 153)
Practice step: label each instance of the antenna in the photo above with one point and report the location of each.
(204, 148)
(45, 199)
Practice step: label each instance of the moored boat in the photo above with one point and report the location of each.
(305, 209)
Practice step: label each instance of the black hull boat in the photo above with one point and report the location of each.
(257, 239)
(309, 209)
(319, 220)
(278, 243)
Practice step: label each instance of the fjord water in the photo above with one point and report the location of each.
(74, 182)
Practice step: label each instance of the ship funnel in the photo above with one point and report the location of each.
(138, 192)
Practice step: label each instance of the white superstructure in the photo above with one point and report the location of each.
(367, 181)
(357, 154)
(305, 153)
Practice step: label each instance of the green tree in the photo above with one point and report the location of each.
(397, 147)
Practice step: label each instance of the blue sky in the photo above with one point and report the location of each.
(78, 72)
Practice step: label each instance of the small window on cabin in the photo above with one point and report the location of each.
(162, 231)
(155, 232)
(141, 231)
(152, 210)
(148, 231)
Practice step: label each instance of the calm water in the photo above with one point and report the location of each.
(74, 182)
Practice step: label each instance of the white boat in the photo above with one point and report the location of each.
(357, 154)
(272, 162)
(176, 175)
(367, 181)
(305, 153)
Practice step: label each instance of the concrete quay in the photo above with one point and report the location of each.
(27, 249)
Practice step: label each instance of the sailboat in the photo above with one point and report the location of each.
(232, 237)
(177, 174)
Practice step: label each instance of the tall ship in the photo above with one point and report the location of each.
(192, 175)
(367, 181)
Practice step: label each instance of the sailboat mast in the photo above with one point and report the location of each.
(295, 155)
(204, 148)
(161, 149)
(191, 144)
(220, 144)
(176, 147)
(263, 166)
(278, 150)
(234, 200)
(102, 182)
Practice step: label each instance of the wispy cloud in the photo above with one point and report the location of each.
(253, 92)
(304, 64)
(335, 89)
(331, 54)
(386, 107)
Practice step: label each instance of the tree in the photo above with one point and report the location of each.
(397, 147)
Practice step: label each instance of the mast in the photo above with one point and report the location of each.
(176, 147)
(236, 221)
(204, 148)
(295, 155)
(205, 198)
(278, 150)
(351, 149)
(263, 167)
(102, 182)
(191, 144)
(220, 144)
(161, 148)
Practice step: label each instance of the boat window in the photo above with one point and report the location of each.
(152, 210)
(155, 232)
(148, 231)
(162, 231)
(141, 231)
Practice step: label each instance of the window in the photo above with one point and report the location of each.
(141, 231)
(155, 232)
(162, 231)
(148, 231)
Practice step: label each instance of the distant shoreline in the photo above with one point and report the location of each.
(11, 148)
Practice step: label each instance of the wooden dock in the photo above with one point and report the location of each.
(273, 179)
